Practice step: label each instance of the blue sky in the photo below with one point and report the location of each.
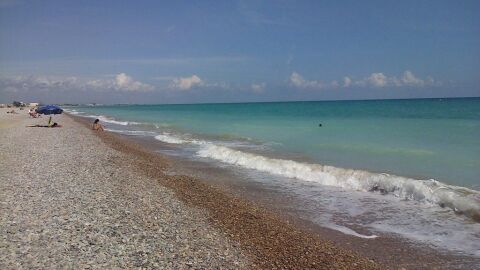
(234, 51)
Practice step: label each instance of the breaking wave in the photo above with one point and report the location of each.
(103, 118)
(132, 132)
(111, 121)
(461, 200)
(165, 137)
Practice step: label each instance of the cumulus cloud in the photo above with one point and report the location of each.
(409, 79)
(376, 80)
(186, 83)
(298, 81)
(347, 81)
(194, 81)
(258, 87)
(24, 83)
(121, 82)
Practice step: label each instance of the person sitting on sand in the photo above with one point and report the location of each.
(33, 113)
(97, 125)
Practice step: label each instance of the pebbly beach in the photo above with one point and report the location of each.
(69, 201)
(75, 198)
(239, 135)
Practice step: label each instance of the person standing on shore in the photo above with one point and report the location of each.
(97, 125)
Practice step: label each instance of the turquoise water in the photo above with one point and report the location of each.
(408, 168)
(423, 138)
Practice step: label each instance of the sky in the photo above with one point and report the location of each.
(237, 51)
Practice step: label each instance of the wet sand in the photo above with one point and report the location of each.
(389, 250)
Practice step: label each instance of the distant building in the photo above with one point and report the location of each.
(19, 104)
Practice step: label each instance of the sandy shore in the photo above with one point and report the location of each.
(74, 198)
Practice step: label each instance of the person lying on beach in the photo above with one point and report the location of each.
(12, 111)
(54, 125)
(97, 125)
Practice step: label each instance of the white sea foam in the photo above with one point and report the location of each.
(461, 200)
(348, 231)
(187, 139)
(102, 118)
(72, 111)
(112, 121)
(166, 137)
(132, 132)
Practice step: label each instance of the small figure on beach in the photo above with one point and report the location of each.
(54, 125)
(12, 112)
(33, 113)
(97, 125)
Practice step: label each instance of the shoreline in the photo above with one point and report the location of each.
(105, 179)
(390, 251)
(273, 242)
(73, 197)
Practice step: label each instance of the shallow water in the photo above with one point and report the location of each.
(433, 138)
(404, 167)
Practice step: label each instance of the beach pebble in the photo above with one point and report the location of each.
(69, 201)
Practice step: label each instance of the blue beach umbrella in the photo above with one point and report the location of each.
(49, 109)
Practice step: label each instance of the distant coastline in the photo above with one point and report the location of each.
(280, 101)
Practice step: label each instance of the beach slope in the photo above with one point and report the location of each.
(70, 198)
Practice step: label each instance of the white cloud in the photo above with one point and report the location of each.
(347, 81)
(298, 81)
(125, 82)
(121, 82)
(376, 79)
(194, 81)
(258, 87)
(25, 83)
(186, 83)
(410, 79)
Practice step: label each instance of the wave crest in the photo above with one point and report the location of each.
(461, 200)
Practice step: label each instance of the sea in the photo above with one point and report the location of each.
(407, 168)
